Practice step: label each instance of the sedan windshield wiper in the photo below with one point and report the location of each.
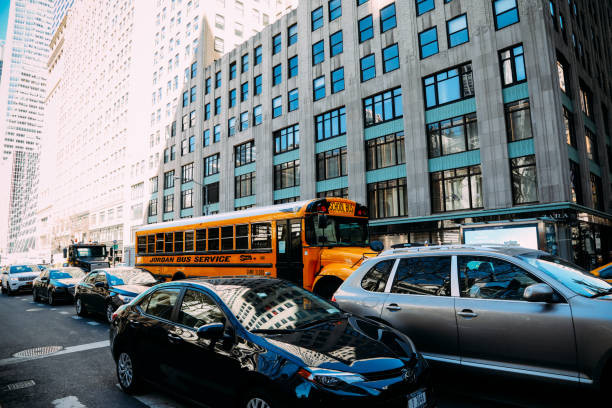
(316, 322)
(272, 331)
(604, 293)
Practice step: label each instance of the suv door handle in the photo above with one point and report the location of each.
(174, 339)
(393, 307)
(467, 313)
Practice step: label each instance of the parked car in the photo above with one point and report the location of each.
(506, 309)
(260, 342)
(604, 272)
(102, 291)
(16, 278)
(55, 285)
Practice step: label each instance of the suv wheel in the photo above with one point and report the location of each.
(80, 307)
(127, 373)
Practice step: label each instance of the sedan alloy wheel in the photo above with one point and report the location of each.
(257, 403)
(125, 370)
(80, 307)
(51, 299)
(109, 312)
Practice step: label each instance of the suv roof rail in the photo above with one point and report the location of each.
(441, 247)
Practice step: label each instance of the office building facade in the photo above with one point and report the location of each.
(440, 115)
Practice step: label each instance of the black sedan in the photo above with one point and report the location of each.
(258, 342)
(104, 290)
(56, 285)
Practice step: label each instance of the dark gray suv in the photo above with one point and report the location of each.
(506, 309)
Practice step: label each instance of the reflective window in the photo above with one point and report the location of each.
(330, 124)
(457, 31)
(317, 18)
(277, 74)
(161, 303)
(390, 58)
(428, 42)
(335, 43)
(385, 151)
(423, 276)
(331, 164)
(368, 67)
(506, 13)
(292, 66)
(376, 278)
(512, 63)
(490, 278)
(449, 86)
(383, 107)
(524, 180)
(387, 18)
(293, 98)
(337, 80)
(292, 34)
(452, 136)
(286, 139)
(335, 9)
(197, 310)
(366, 29)
(423, 6)
(276, 44)
(318, 52)
(388, 199)
(456, 189)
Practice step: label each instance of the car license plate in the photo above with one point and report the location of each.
(417, 399)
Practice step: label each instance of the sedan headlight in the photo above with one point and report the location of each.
(14, 279)
(126, 298)
(329, 378)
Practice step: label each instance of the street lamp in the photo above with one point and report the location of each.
(205, 186)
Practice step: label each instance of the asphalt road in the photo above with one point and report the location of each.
(83, 373)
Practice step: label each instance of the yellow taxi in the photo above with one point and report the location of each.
(604, 272)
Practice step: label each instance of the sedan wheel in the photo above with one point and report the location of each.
(126, 373)
(34, 297)
(109, 312)
(51, 299)
(257, 403)
(80, 307)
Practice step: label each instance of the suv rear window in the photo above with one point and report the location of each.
(428, 275)
(376, 278)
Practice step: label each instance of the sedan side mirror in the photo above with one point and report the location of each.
(211, 331)
(538, 292)
(100, 285)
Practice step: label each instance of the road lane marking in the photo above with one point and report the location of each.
(67, 350)
(18, 385)
(93, 323)
(77, 317)
(68, 402)
(37, 309)
(64, 313)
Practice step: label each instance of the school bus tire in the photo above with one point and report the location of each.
(327, 286)
(178, 276)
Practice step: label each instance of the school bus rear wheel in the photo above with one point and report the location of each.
(178, 276)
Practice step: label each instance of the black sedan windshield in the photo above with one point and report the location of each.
(343, 231)
(570, 275)
(130, 277)
(261, 304)
(72, 273)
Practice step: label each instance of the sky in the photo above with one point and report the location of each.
(4, 10)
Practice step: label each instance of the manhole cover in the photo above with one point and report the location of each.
(18, 385)
(38, 351)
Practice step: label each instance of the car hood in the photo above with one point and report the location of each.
(129, 290)
(348, 344)
(68, 282)
(25, 275)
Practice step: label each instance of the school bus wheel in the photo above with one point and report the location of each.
(178, 276)
(327, 286)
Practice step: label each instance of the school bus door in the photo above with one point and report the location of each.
(289, 263)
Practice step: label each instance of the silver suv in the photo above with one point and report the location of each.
(18, 277)
(507, 309)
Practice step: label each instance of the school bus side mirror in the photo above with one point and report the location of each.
(322, 221)
(377, 246)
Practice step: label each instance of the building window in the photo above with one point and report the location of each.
(207, 111)
(232, 98)
(456, 189)
(277, 74)
(206, 137)
(452, 136)
(337, 80)
(596, 192)
(194, 70)
(244, 63)
(231, 126)
(292, 66)
(317, 18)
(383, 107)
(318, 85)
(191, 143)
(518, 120)
(172, 152)
(169, 203)
(287, 139)
(292, 35)
(232, 70)
(512, 64)
(173, 129)
(591, 145)
(335, 9)
(575, 183)
(449, 86)
(524, 180)
(368, 67)
(258, 55)
(287, 175)
(293, 98)
(244, 153)
(166, 155)
(388, 199)
(385, 151)
(184, 123)
(366, 29)
(211, 165)
(186, 199)
(152, 207)
(211, 193)
(207, 86)
(184, 147)
(217, 106)
(244, 121)
(387, 18)
(568, 123)
(244, 92)
(585, 100)
(318, 52)
(564, 76)
(506, 13)
(423, 6)
(276, 44)
(169, 179)
(340, 192)
(330, 124)
(217, 79)
(257, 115)
(153, 184)
(360, 2)
(258, 86)
(244, 185)
(331, 164)
(185, 99)
(192, 118)
(277, 107)
(335, 43)
(428, 42)
(390, 58)
(286, 200)
(457, 30)
(217, 133)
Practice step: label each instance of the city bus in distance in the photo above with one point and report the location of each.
(316, 244)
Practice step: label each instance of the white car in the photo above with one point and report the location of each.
(17, 278)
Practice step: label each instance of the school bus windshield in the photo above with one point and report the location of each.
(339, 231)
(91, 252)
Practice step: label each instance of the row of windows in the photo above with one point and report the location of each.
(505, 12)
(226, 238)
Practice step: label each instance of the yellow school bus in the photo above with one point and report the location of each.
(315, 243)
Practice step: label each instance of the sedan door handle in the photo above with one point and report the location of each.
(467, 313)
(393, 307)
(174, 339)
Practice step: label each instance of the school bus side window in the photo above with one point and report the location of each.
(261, 236)
(188, 241)
(168, 240)
(178, 241)
(213, 239)
(227, 238)
(242, 236)
(200, 240)
(159, 242)
(142, 244)
(150, 244)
